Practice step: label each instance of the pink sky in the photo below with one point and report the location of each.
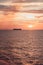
(21, 15)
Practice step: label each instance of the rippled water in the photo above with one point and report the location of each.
(21, 47)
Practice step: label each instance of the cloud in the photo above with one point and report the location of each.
(34, 11)
(23, 7)
(4, 1)
(7, 8)
(30, 7)
(27, 0)
(21, 1)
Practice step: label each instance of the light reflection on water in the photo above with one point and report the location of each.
(21, 47)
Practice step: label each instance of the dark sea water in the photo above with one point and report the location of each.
(21, 47)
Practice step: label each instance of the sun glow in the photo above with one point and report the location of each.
(30, 26)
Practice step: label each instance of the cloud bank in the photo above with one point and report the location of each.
(23, 7)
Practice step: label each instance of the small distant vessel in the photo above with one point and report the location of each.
(17, 29)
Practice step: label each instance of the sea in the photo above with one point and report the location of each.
(21, 47)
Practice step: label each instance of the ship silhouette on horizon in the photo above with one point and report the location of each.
(17, 29)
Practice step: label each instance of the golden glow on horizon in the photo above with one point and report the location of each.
(30, 26)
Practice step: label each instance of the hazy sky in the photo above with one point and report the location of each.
(25, 14)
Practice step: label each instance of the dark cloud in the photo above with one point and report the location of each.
(35, 11)
(27, 0)
(7, 8)
(21, 1)
(14, 8)
(34, 0)
(32, 11)
(17, 0)
(4, 1)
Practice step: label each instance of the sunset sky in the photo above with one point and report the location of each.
(25, 14)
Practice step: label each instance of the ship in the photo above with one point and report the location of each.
(17, 29)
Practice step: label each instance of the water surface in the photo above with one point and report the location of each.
(21, 47)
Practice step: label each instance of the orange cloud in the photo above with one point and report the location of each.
(20, 15)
